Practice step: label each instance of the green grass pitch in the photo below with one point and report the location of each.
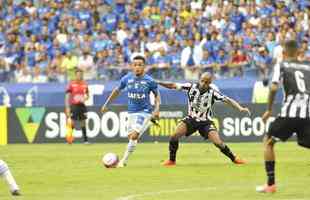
(75, 172)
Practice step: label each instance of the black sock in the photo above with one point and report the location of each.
(269, 167)
(173, 148)
(84, 134)
(226, 151)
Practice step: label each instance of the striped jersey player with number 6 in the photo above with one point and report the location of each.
(76, 95)
(201, 97)
(294, 116)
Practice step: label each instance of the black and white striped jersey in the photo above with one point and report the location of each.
(200, 103)
(295, 77)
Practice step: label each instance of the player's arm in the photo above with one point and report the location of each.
(157, 101)
(67, 104)
(112, 96)
(272, 91)
(236, 105)
(168, 85)
(272, 94)
(67, 101)
(220, 97)
(157, 105)
(87, 94)
(175, 86)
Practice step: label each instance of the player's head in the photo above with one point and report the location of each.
(205, 80)
(78, 74)
(291, 49)
(138, 64)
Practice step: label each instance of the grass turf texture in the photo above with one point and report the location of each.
(65, 172)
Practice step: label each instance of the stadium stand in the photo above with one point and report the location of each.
(45, 40)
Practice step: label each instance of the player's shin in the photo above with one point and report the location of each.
(269, 156)
(130, 149)
(10, 181)
(84, 134)
(173, 148)
(226, 151)
(8, 177)
(269, 167)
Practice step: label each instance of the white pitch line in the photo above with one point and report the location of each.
(289, 199)
(132, 197)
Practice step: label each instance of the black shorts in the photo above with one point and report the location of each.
(203, 127)
(78, 111)
(283, 129)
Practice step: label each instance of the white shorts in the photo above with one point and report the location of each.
(138, 122)
(3, 167)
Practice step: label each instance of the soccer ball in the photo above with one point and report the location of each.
(110, 160)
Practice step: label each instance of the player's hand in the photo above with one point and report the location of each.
(104, 109)
(67, 112)
(69, 122)
(245, 109)
(155, 115)
(86, 97)
(266, 115)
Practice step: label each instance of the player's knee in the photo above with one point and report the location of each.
(3, 167)
(174, 137)
(269, 140)
(214, 138)
(133, 135)
(177, 135)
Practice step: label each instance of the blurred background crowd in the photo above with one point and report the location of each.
(45, 40)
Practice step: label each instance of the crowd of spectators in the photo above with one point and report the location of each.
(45, 40)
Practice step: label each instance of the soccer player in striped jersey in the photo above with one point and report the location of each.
(294, 116)
(6, 174)
(201, 97)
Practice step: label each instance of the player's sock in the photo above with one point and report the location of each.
(269, 167)
(226, 151)
(130, 149)
(8, 177)
(173, 148)
(84, 134)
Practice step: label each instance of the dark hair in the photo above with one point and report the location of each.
(139, 58)
(265, 81)
(78, 70)
(291, 48)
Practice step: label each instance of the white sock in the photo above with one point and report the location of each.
(130, 149)
(8, 177)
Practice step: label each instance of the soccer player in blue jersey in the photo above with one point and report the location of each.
(138, 87)
(6, 174)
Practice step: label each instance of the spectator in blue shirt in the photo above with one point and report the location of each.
(237, 18)
(222, 61)
(251, 22)
(207, 63)
(110, 20)
(263, 62)
(30, 57)
(161, 64)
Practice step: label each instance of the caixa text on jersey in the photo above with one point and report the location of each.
(136, 95)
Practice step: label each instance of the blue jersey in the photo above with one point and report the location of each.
(138, 91)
